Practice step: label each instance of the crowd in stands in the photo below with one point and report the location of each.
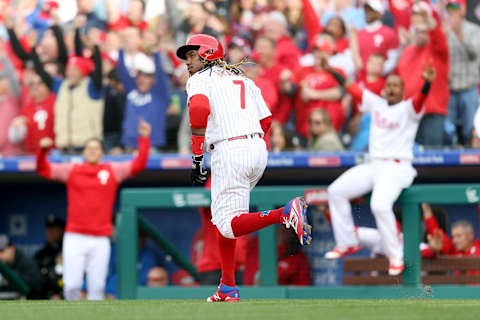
(84, 69)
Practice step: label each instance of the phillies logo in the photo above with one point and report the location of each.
(383, 123)
(264, 213)
(103, 176)
(472, 195)
(40, 117)
(316, 80)
(378, 40)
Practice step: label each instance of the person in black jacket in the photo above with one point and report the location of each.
(49, 258)
(113, 114)
(25, 267)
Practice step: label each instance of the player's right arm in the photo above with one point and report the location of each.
(53, 171)
(351, 87)
(199, 110)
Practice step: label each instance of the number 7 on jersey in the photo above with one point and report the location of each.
(242, 92)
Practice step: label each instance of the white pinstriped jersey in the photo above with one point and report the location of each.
(236, 103)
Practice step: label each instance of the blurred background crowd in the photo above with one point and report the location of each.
(76, 69)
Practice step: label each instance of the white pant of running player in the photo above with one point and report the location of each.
(386, 179)
(85, 254)
(237, 166)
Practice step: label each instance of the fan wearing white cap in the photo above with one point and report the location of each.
(377, 37)
(148, 96)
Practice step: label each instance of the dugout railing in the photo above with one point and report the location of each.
(269, 197)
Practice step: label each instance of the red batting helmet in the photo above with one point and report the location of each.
(208, 47)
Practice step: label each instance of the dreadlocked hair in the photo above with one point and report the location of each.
(235, 68)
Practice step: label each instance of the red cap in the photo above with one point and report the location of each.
(50, 5)
(324, 46)
(460, 3)
(83, 64)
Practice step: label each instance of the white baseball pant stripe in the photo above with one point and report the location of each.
(85, 254)
(385, 179)
(237, 166)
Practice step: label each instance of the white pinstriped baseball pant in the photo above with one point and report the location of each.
(237, 166)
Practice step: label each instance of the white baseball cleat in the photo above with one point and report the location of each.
(340, 252)
(396, 267)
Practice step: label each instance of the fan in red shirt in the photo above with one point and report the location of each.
(461, 244)
(430, 44)
(293, 267)
(272, 71)
(314, 87)
(134, 17)
(36, 117)
(377, 37)
(91, 190)
(401, 11)
(287, 54)
(335, 25)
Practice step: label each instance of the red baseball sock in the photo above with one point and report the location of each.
(227, 255)
(250, 222)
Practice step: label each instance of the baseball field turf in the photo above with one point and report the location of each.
(247, 309)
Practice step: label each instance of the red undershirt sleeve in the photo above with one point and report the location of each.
(418, 101)
(199, 110)
(140, 162)
(356, 92)
(266, 123)
(43, 166)
(53, 171)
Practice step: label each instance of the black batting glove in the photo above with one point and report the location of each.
(199, 174)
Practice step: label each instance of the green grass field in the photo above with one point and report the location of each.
(247, 309)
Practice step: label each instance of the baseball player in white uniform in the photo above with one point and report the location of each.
(229, 117)
(389, 169)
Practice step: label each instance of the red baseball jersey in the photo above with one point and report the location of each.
(410, 67)
(318, 80)
(401, 11)
(39, 122)
(123, 23)
(380, 40)
(91, 189)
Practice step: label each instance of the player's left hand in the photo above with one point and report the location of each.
(429, 72)
(199, 174)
